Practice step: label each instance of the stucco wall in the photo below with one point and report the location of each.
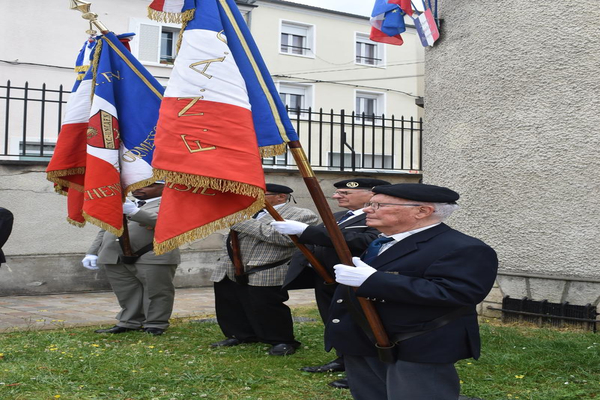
(512, 124)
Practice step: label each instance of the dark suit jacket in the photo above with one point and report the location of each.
(6, 223)
(357, 235)
(423, 277)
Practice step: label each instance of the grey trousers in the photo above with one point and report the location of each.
(371, 379)
(145, 293)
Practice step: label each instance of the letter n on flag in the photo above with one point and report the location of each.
(106, 143)
(221, 114)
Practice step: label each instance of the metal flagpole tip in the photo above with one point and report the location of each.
(82, 6)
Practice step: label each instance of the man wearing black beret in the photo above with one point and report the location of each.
(255, 311)
(425, 280)
(350, 194)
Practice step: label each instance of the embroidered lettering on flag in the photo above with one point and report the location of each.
(220, 114)
(106, 143)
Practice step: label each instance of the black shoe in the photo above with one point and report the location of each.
(340, 384)
(116, 329)
(282, 349)
(333, 366)
(154, 331)
(226, 343)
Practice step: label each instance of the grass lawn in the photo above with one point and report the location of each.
(75, 363)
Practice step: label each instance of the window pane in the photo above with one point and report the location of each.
(284, 43)
(298, 43)
(166, 45)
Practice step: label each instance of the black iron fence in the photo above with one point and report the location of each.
(336, 141)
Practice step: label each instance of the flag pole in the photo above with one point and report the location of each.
(383, 344)
(319, 269)
(84, 7)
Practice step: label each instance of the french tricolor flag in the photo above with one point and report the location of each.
(220, 114)
(106, 143)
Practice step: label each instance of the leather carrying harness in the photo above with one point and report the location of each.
(359, 318)
(134, 257)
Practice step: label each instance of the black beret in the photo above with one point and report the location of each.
(275, 188)
(360, 183)
(419, 192)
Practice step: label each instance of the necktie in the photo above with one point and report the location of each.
(141, 203)
(373, 249)
(345, 217)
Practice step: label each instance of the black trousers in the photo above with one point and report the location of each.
(371, 379)
(254, 313)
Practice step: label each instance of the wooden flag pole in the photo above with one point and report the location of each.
(384, 345)
(319, 269)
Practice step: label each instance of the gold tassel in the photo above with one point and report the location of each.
(208, 229)
(103, 225)
(272, 151)
(94, 66)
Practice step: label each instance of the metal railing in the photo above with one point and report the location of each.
(335, 141)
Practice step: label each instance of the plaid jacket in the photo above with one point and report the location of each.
(260, 244)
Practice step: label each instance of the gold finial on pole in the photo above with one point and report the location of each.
(84, 8)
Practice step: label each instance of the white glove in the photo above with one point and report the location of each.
(129, 207)
(353, 276)
(289, 227)
(89, 261)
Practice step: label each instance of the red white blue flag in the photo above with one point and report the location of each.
(427, 28)
(106, 143)
(387, 22)
(220, 115)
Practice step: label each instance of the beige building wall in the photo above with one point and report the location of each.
(511, 106)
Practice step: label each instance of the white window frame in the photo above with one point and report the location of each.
(307, 31)
(379, 104)
(306, 91)
(137, 25)
(362, 40)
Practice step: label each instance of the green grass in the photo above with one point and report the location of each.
(75, 363)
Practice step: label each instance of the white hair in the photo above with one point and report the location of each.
(443, 210)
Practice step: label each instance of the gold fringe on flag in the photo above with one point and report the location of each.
(222, 185)
(138, 185)
(76, 223)
(272, 151)
(171, 17)
(103, 225)
(55, 177)
(82, 68)
(208, 229)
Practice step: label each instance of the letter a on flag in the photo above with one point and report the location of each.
(106, 143)
(221, 114)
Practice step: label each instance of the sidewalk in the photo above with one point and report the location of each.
(99, 308)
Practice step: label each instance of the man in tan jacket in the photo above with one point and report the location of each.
(144, 287)
(255, 312)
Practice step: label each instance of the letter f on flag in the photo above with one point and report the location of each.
(221, 114)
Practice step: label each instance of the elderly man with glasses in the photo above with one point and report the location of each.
(350, 194)
(425, 280)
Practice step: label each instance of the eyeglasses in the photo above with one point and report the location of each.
(346, 193)
(376, 206)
